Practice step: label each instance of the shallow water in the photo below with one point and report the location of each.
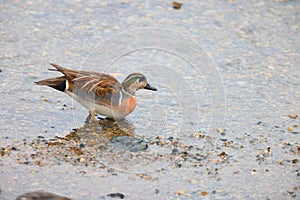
(219, 126)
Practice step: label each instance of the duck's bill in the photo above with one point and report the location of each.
(149, 87)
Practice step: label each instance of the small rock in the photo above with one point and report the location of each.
(293, 116)
(199, 135)
(294, 161)
(148, 178)
(81, 145)
(175, 151)
(204, 193)
(82, 172)
(177, 5)
(128, 144)
(219, 130)
(116, 195)
(41, 195)
(223, 155)
(180, 192)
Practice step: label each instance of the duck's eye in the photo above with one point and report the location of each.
(142, 79)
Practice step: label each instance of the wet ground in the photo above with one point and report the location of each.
(223, 125)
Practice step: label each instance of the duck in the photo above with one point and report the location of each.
(100, 93)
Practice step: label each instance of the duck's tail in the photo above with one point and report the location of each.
(58, 83)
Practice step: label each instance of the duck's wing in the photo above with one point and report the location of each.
(102, 88)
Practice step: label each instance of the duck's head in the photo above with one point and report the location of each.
(136, 81)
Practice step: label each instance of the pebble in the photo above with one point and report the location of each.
(116, 195)
(41, 195)
(293, 116)
(177, 5)
(180, 192)
(204, 193)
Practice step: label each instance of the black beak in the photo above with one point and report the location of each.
(149, 87)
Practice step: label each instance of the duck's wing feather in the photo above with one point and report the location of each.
(90, 85)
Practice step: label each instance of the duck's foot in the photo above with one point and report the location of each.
(91, 116)
(95, 118)
(88, 118)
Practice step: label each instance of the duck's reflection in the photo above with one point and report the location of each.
(103, 135)
(106, 128)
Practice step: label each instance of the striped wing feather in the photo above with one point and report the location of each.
(97, 85)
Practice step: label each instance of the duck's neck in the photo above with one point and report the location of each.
(128, 89)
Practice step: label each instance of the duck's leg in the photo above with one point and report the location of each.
(91, 116)
(88, 118)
